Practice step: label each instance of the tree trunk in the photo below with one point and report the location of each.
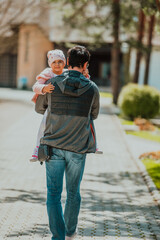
(158, 4)
(149, 48)
(140, 37)
(115, 64)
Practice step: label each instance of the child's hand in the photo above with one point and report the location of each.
(48, 88)
(86, 73)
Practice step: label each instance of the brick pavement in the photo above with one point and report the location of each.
(116, 203)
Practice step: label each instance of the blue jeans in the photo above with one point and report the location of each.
(73, 165)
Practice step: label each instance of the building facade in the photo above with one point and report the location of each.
(24, 53)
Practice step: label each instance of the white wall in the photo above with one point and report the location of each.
(154, 76)
(154, 73)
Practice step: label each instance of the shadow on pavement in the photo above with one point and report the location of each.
(109, 210)
(24, 196)
(113, 205)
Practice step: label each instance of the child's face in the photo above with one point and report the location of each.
(57, 67)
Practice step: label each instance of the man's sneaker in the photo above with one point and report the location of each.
(35, 155)
(71, 237)
(98, 151)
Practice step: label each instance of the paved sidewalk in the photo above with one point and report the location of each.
(116, 202)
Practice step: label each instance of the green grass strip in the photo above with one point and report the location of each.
(145, 135)
(106, 94)
(153, 169)
(126, 122)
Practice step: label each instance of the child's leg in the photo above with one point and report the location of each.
(39, 136)
(41, 129)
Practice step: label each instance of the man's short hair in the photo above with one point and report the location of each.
(78, 56)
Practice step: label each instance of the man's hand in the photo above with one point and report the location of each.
(48, 88)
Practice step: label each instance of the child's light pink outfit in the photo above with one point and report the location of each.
(45, 75)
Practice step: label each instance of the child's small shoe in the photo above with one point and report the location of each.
(98, 151)
(35, 155)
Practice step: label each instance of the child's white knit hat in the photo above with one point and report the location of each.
(55, 55)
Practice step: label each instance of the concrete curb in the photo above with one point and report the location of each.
(147, 179)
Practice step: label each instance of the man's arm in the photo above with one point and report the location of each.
(96, 104)
(41, 104)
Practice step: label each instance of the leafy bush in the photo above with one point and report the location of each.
(139, 101)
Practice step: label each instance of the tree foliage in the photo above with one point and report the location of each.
(103, 21)
(150, 7)
(95, 18)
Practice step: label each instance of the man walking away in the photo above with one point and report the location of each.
(72, 106)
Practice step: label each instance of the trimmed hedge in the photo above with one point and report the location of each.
(139, 101)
